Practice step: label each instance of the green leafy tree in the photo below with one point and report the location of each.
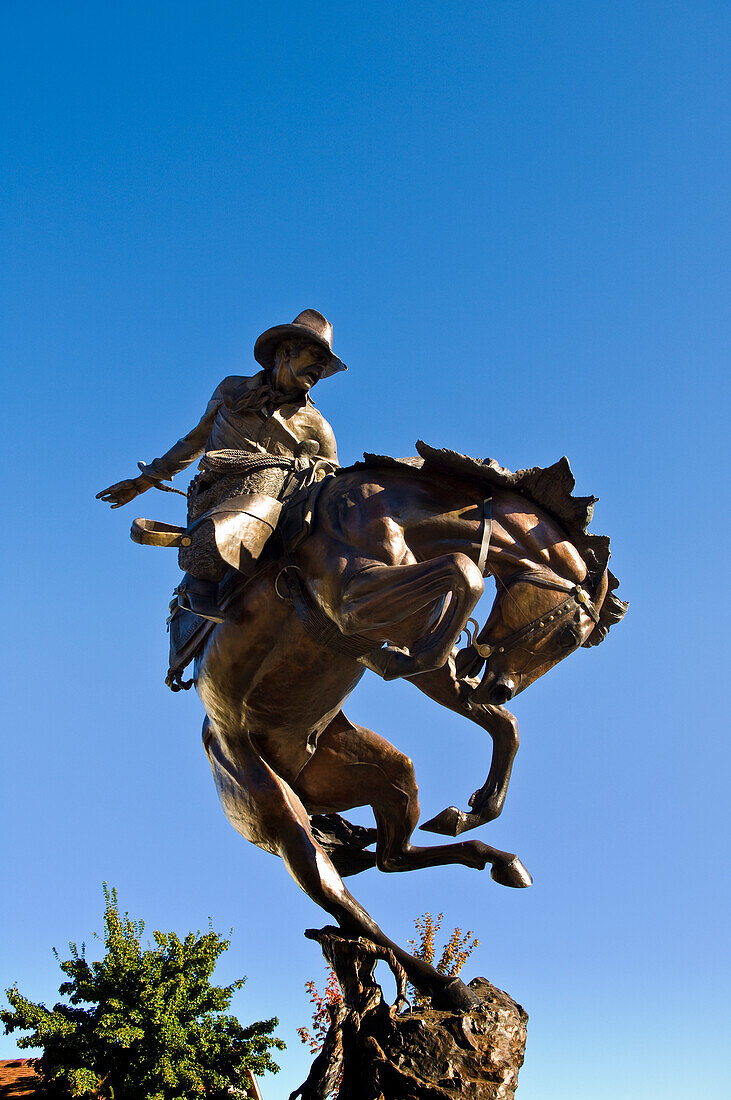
(156, 1028)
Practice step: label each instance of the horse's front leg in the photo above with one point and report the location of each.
(487, 802)
(383, 596)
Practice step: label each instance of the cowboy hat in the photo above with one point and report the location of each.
(308, 325)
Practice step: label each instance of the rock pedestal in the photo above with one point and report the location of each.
(378, 1052)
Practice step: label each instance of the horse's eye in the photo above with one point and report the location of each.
(568, 637)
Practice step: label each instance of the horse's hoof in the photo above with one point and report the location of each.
(450, 822)
(455, 996)
(512, 873)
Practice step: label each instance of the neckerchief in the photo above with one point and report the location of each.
(261, 397)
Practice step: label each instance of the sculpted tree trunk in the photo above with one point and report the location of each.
(390, 1053)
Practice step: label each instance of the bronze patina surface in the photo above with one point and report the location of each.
(269, 422)
(386, 578)
(269, 413)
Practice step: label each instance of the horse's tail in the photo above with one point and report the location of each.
(611, 611)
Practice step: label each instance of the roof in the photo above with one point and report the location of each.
(18, 1078)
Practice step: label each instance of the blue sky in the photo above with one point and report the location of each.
(516, 216)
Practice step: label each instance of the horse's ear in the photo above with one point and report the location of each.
(596, 553)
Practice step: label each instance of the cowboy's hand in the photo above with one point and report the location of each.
(124, 491)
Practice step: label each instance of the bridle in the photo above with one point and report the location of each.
(578, 598)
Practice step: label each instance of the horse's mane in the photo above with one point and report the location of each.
(550, 488)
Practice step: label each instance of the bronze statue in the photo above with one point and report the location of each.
(380, 567)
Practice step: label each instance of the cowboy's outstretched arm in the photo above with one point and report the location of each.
(181, 454)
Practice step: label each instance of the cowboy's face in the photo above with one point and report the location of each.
(298, 367)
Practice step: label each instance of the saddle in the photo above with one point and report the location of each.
(243, 526)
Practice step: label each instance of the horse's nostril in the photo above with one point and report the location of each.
(569, 637)
(502, 691)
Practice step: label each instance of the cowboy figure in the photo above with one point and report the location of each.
(254, 433)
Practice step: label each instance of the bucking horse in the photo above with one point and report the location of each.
(386, 578)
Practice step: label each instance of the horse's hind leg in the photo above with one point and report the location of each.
(353, 766)
(265, 810)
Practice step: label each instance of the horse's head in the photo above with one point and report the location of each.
(537, 619)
